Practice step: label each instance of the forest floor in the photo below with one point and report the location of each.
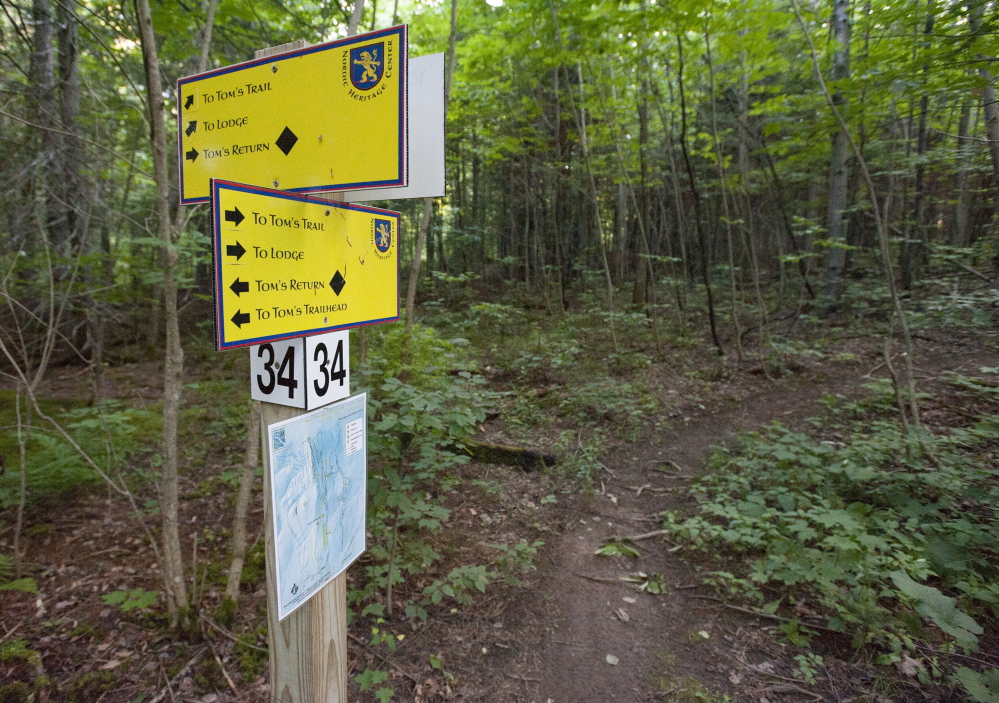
(579, 629)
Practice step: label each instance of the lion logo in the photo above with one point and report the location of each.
(383, 235)
(367, 65)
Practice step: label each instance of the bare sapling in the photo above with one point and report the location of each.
(243, 504)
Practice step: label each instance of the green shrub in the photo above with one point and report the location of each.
(252, 657)
(605, 401)
(15, 692)
(858, 526)
(424, 401)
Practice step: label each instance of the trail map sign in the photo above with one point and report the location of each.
(328, 117)
(318, 487)
(288, 265)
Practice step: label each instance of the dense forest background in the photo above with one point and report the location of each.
(674, 152)
(652, 208)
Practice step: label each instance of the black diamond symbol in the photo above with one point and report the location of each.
(286, 141)
(337, 283)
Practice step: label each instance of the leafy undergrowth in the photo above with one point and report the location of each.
(431, 561)
(859, 527)
(54, 468)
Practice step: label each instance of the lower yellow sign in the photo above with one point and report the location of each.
(288, 265)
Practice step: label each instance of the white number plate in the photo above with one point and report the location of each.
(306, 373)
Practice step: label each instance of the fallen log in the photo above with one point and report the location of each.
(526, 459)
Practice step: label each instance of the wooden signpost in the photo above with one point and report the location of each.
(307, 651)
(293, 272)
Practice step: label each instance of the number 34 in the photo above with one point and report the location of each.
(324, 367)
(328, 371)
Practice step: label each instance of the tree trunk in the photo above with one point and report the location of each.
(428, 203)
(699, 225)
(916, 248)
(355, 18)
(206, 39)
(882, 228)
(643, 293)
(620, 232)
(580, 115)
(991, 111)
(965, 156)
(749, 226)
(43, 93)
(69, 187)
(23, 429)
(173, 362)
(243, 503)
(681, 229)
(414, 268)
(720, 163)
(839, 160)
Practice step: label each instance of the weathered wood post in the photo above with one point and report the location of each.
(308, 649)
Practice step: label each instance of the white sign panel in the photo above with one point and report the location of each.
(318, 471)
(327, 368)
(307, 372)
(425, 98)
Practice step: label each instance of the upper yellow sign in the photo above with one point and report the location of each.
(328, 117)
(289, 265)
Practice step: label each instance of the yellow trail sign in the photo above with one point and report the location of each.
(288, 265)
(328, 117)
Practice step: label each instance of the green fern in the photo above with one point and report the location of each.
(136, 599)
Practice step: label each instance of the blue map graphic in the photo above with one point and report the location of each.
(318, 485)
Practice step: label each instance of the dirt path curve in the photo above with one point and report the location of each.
(655, 639)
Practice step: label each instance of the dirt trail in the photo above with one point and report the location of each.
(659, 645)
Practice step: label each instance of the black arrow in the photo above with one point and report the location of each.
(236, 250)
(192, 155)
(234, 216)
(241, 318)
(239, 286)
(192, 127)
(189, 102)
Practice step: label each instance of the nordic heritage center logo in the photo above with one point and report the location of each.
(381, 234)
(365, 67)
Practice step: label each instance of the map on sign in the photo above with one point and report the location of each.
(318, 490)
(327, 117)
(288, 265)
